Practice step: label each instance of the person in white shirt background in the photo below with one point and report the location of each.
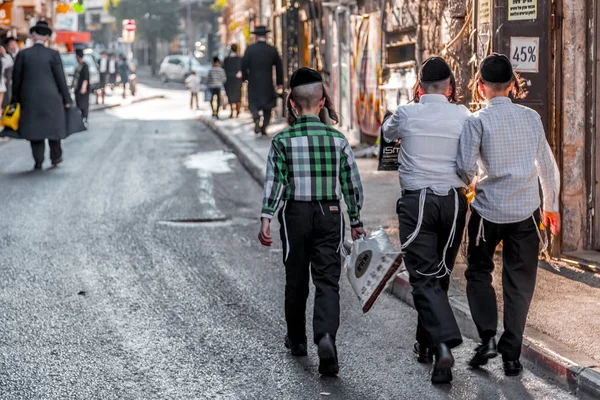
(112, 71)
(433, 207)
(103, 69)
(192, 82)
(7, 63)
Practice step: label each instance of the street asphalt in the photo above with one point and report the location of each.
(117, 285)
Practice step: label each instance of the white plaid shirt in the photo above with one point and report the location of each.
(509, 144)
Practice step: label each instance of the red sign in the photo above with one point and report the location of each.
(73, 37)
(6, 14)
(129, 25)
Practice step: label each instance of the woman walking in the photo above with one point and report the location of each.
(233, 69)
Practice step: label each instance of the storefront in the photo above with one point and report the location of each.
(70, 40)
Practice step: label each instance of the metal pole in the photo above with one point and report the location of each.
(260, 12)
(189, 28)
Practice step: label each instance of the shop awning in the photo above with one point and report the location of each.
(72, 37)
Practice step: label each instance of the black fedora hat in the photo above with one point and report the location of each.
(41, 28)
(261, 30)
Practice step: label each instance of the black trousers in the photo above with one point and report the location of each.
(311, 233)
(215, 93)
(520, 262)
(266, 114)
(428, 278)
(38, 148)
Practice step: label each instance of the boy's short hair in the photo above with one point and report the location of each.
(216, 60)
(308, 96)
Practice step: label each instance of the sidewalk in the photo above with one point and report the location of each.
(563, 333)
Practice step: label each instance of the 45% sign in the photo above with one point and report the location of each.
(525, 53)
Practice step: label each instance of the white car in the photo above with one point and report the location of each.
(70, 63)
(178, 68)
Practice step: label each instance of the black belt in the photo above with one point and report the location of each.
(462, 191)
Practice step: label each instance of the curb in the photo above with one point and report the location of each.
(576, 373)
(573, 371)
(255, 165)
(103, 107)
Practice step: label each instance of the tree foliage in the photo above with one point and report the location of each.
(155, 19)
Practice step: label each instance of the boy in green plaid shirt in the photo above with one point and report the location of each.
(310, 167)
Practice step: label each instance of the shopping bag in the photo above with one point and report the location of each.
(372, 262)
(388, 152)
(11, 116)
(75, 122)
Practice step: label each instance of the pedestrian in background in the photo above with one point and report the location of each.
(509, 142)
(216, 80)
(112, 71)
(310, 165)
(103, 68)
(81, 83)
(233, 87)
(433, 207)
(40, 87)
(193, 83)
(12, 49)
(257, 69)
(124, 71)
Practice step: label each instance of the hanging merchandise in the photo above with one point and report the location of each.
(79, 7)
(63, 8)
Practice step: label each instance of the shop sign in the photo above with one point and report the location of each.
(66, 22)
(525, 53)
(519, 10)
(6, 14)
(484, 12)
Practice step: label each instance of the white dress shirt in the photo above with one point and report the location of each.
(103, 65)
(509, 143)
(429, 132)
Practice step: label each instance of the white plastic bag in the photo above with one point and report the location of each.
(372, 262)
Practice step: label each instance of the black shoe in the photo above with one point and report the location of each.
(513, 368)
(37, 167)
(442, 369)
(297, 350)
(57, 161)
(423, 353)
(257, 128)
(484, 352)
(328, 361)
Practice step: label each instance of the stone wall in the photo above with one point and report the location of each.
(573, 114)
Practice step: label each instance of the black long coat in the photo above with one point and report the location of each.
(257, 69)
(232, 66)
(39, 85)
(83, 100)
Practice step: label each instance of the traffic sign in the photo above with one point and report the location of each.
(129, 25)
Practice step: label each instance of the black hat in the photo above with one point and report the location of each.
(434, 69)
(234, 48)
(79, 52)
(261, 31)
(496, 68)
(41, 28)
(304, 76)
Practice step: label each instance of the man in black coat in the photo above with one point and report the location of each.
(257, 69)
(39, 85)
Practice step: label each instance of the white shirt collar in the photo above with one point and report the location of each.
(433, 98)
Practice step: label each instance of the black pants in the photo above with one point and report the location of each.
(311, 233)
(215, 93)
(266, 114)
(423, 256)
(38, 148)
(83, 104)
(520, 262)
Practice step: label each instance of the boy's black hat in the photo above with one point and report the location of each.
(304, 76)
(79, 52)
(434, 69)
(496, 68)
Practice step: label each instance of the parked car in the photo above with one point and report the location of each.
(70, 63)
(178, 68)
